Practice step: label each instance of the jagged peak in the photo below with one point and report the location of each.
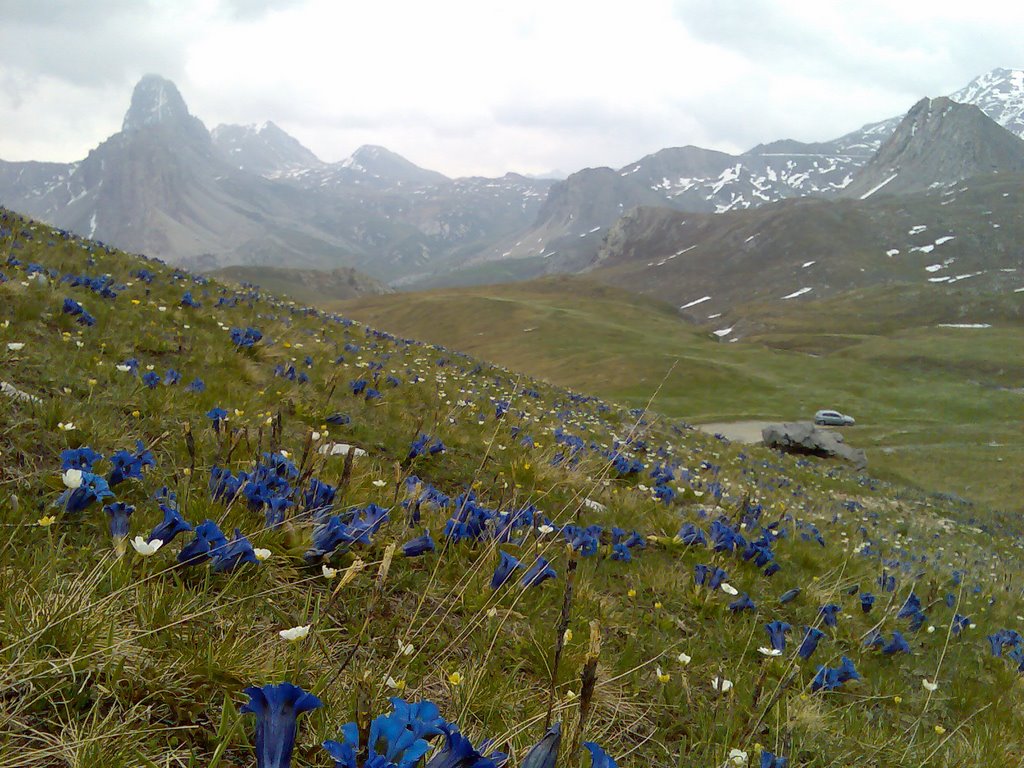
(155, 100)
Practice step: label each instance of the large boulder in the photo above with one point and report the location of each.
(804, 437)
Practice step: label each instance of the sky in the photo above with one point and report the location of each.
(480, 87)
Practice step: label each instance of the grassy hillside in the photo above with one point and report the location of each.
(933, 404)
(670, 551)
(308, 286)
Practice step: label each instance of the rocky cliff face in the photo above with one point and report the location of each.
(937, 144)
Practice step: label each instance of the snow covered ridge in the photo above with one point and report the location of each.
(1000, 95)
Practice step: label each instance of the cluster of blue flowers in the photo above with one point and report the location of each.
(399, 739)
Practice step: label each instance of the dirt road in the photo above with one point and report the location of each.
(737, 431)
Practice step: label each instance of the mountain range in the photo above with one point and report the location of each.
(254, 195)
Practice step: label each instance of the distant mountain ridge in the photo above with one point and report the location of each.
(253, 195)
(166, 186)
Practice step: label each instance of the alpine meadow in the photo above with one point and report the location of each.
(709, 459)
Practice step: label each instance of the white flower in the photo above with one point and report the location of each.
(721, 684)
(390, 682)
(931, 628)
(738, 757)
(328, 572)
(123, 368)
(684, 658)
(261, 554)
(729, 589)
(295, 633)
(146, 548)
(15, 346)
(315, 436)
(405, 649)
(66, 426)
(929, 685)
(769, 651)
(72, 478)
(594, 505)
(380, 483)
(545, 529)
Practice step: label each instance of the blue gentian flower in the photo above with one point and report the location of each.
(245, 339)
(208, 538)
(319, 497)
(621, 552)
(810, 642)
(846, 670)
(544, 753)
(742, 603)
(459, 752)
(188, 301)
(239, 550)
(172, 525)
(768, 760)
(539, 572)
(151, 379)
(171, 378)
(93, 488)
(960, 623)
(789, 595)
(598, 757)
(79, 458)
(910, 607)
(130, 465)
(419, 546)
(119, 512)
(274, 510)
(504, 570)
(777, 634)
(898, 644)
(277, 708)
(197, 385)
(867, 600)
(216, 415)
(344, 752)
(828, 614)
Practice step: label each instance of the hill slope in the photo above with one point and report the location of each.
(149, 654)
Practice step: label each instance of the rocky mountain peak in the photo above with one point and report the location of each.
(264, 148)
(939, 142)
(155, 101)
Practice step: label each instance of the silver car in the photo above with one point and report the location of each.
(834, 419)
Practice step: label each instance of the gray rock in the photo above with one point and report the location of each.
(804, 437)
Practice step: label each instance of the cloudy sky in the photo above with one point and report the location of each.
(483, 87)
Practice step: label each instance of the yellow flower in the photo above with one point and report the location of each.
(46, 521)
(631, 593)
(897, 699)
(939, 730)
(455, 678)
(663, 677)
(567, 637)
(92, 382)
(657, 605)
(136, 414)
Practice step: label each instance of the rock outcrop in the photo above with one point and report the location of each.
(803, 437)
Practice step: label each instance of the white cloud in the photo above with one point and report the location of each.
(471, 87)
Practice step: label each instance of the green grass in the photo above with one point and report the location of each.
(117, 660)
(928, 400)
